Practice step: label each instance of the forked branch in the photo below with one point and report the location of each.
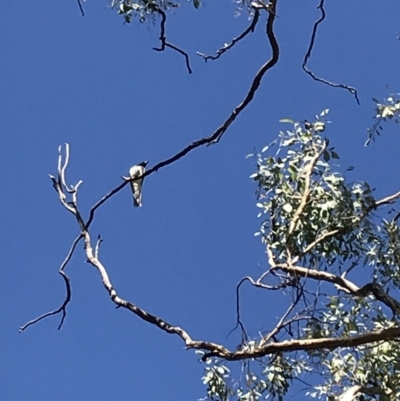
(165, 43)
(210, 348)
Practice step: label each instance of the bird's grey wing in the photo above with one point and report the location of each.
(136, 186)
(137, 193)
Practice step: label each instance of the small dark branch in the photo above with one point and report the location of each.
(380, 295)
(238, 320)
(165, 43)
(63, 308)
(282, 323)
(102, 200)
(181, 52)
(81, 8)
(217, 134)
(227, 46)
(352, 90)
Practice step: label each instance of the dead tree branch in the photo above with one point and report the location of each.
(352, 90)
(212, 349)
(165, 43)
(62, 188)
(227, 46)
(63, 308)
(219, 132)
(81, 8)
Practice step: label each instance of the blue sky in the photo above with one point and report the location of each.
(98, 85)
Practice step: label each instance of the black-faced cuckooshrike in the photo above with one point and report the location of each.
(136, 172)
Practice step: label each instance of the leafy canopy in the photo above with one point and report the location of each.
(318, 228)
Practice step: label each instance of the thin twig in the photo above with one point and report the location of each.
(227, 46)
(81, 8)
(352, 90)
(220, 131)
(238, 319)
(63, 307)
(164, 42)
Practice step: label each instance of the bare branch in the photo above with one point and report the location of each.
(352, 90)
(238, 319)
(163, 39)
(215, 349)
(102, 200)
(160, 323)
(62, 167)
(227, 46)
(81, 8)
(218, 133)
(280, 324)
(344, 284)
(63, 308)
(329, 343)
(387, 200)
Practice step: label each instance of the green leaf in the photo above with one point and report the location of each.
(319, 126)
(287, 208)
(286, 120)
(334, 155)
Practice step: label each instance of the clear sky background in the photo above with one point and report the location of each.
(98, 85)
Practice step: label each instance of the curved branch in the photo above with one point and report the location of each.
(81, 8)
(164, 42)
(227, 46)
(352, 90)
(219, 132)
(238, 319)
(329, 343)
(63, 308)
(213, 349)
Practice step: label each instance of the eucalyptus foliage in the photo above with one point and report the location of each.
(387, 110)
(312, 216)
(144, 9)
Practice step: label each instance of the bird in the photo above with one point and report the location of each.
(135, 172)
